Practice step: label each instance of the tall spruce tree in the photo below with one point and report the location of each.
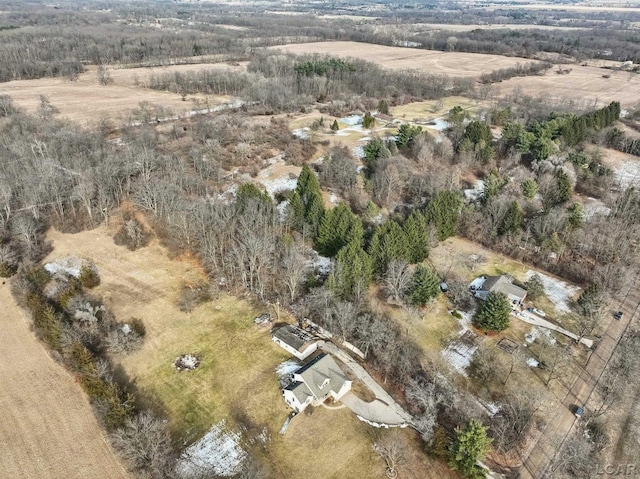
(339, 226)
(417, 236)
(469, 446)
(512, 220)
(443, 212)
(353, 271)
(389, 242)
(424, 287)
(563, 187)
(493, 314)
(308, 189)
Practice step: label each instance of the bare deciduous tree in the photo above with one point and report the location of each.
(397, 279)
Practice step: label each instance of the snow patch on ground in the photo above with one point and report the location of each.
(334, 199)
(492, 408)
(438, 124)
(533, 363)
(558, 291)
(594, 207)
(536, 332)
(628, 173)
(217, 452)
(475, 193)
(460, 351)
(286, 368)
(69, 266)
(282, 209)
(283, 183)
(459, 355)
(352, 120)
(321, 264)
(358, 151)
(302, 133)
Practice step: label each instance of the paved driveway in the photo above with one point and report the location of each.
(384, 409)
(536, 320)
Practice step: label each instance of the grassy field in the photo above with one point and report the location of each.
(47, 426)
(86, 101)
(236, 379)
(455, 64)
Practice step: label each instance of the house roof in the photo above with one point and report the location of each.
(293, 336)
(502, 284)
(300, 391)
(322, 375)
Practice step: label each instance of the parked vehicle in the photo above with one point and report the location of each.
(539, 312)
(578, 411)
(618, 315)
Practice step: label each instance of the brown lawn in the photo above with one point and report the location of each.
(47, 427)
(236, 380)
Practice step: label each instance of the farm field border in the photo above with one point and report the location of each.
(47, 427)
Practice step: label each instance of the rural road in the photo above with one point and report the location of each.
(536, 320)
(384, 410)
(560, 425)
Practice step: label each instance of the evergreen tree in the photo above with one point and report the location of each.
(374, 150)
(591, 301)
(469, 446)
(383, 107)
(424, 287)
(512, 221)
(389, 242)
(443, 212)
(493, 183)
(335, 126)
(338, 227)
(406, 134)
(368, 121)
(457, 115)
(247, 192)
(295, 210)
(493, 314)
(576, 216)
(308, 188)
(353, 271)
(542, 148)
(417, 237)
(478, 131)
(529, 188)
(48, 325)
(563, 187)
(535, 287)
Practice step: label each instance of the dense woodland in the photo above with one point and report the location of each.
(406, 199)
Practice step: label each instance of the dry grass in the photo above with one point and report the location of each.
(455, 64)
(236, 379)
(47, 427)
(494, 26)
(86, 102)
(584, 84)
(428, 110)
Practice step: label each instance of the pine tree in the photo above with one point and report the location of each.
(478, 131)
(575, 219)
(308, 188)
(48, 325)
(339, 226)
(248, 192)
(353, 271)
(493, 314)
(295, 210)
(383, 107)
(424, 287)
(389, 242)
(469, 446)
(529, 188)
(368, 121)
(443, 212)
(591, 301)
(563, 187)
(406, 134)
(417, 237)
(335, 126)
(512, 220)
(535, 287)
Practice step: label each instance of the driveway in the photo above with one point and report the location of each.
(384, 409)
(536, 320)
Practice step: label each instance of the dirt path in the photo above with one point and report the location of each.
(47, 428)
(559, 427)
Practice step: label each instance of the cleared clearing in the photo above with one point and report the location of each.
(455, 64)
(491, 26)
(236, 379)
(585, 84)
(86, 101)
(47, 427)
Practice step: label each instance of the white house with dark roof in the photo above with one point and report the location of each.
(295, 341)
(315, 382)
(501, 284)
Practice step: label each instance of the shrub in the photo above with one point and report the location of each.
(192, 296)
(89, 277)
(9, 261)
(132, 235)
(123, 339)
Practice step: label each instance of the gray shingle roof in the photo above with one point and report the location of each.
(293, 336)
(502, 284)
(322, 375)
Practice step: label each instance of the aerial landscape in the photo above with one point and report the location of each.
(321, 240)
